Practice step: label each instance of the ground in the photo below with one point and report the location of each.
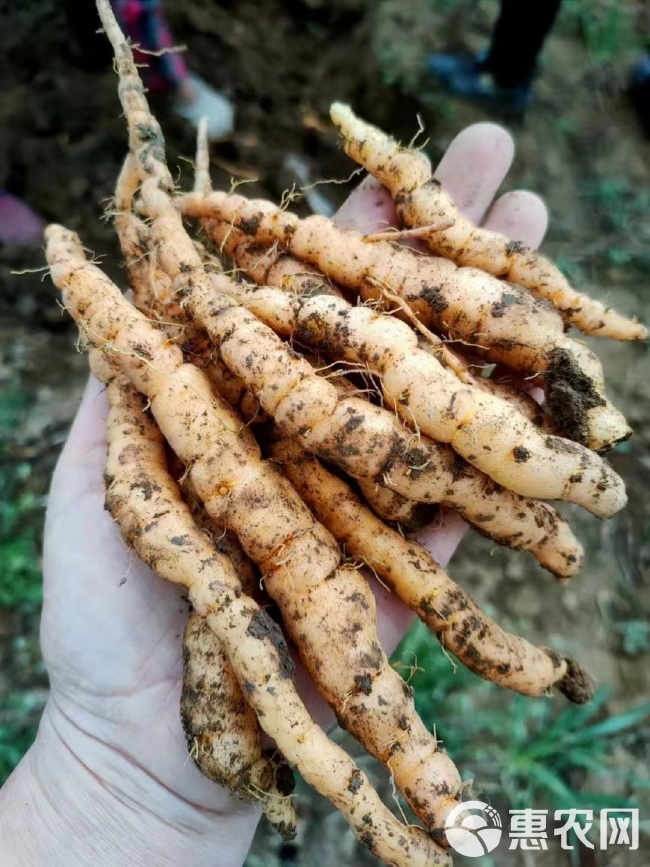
(61, 143)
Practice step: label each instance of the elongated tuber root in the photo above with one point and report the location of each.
(365, 440)
(271, 267)
(421, 201)
(423, 471)
(423, 585)
(364, 437)
(329, 612)
(221, 727)
(505, 322)
(368, 442)
(223, 733)
(146, 503)
(275, 528)
(391, 506)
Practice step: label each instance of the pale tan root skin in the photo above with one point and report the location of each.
(410, 571)
(275, 528)
(152, 288)
(223, 539)
(298, 557)
(450, 412)
(153, 294)
(223, 733)
(501, 322)
(153, 519)
(421, 201)
(391, 506)
(273, 267)
(367, 438)
(221, 727)
(368, 442)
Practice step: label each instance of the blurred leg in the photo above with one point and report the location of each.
(143, 22)
(517, 40)
(19, 224)
(640, 91)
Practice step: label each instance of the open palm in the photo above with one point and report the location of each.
(112, 630)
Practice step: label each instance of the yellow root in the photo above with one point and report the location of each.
(223, 733)
(272, 267)
(146, 503)
(421, 201)
(368, 442)
(423, 585)
(414, 468)
(391, 506)
(442, 294)
(221, 727)
(329, 612)
(365, 440)
(274, 527)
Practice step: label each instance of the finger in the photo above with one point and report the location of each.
(474, 166)
(369, 208)
(442, 537)
(520, 216)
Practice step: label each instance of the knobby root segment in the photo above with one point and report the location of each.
(146, 503)
(327, 609)
(367, 441)
(393, 507)
(410, 571)
(463, 416)
(573, 396)
(155, 296)
(421, 201)
(220, 725)
(273, 267)
(318, 604)
(223, 733)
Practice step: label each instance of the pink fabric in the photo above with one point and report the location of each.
(19, 224)
(143, 22)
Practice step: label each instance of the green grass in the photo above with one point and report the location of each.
(620, 202)
(20, 511)
(635, 636)
(17, 734)
(607, 27)
(21, 514)
(527, 752)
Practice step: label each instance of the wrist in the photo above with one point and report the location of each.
(74, 800)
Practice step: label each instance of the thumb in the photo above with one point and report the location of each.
(369, 208)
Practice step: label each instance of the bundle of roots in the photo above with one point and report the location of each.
(233, 456)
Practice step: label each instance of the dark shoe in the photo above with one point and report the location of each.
(639, 91)
(466, 77)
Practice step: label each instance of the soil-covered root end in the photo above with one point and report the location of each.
(576, 684)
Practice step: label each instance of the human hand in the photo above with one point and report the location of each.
(111, 757)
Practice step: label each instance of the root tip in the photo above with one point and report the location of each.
(576, 685)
